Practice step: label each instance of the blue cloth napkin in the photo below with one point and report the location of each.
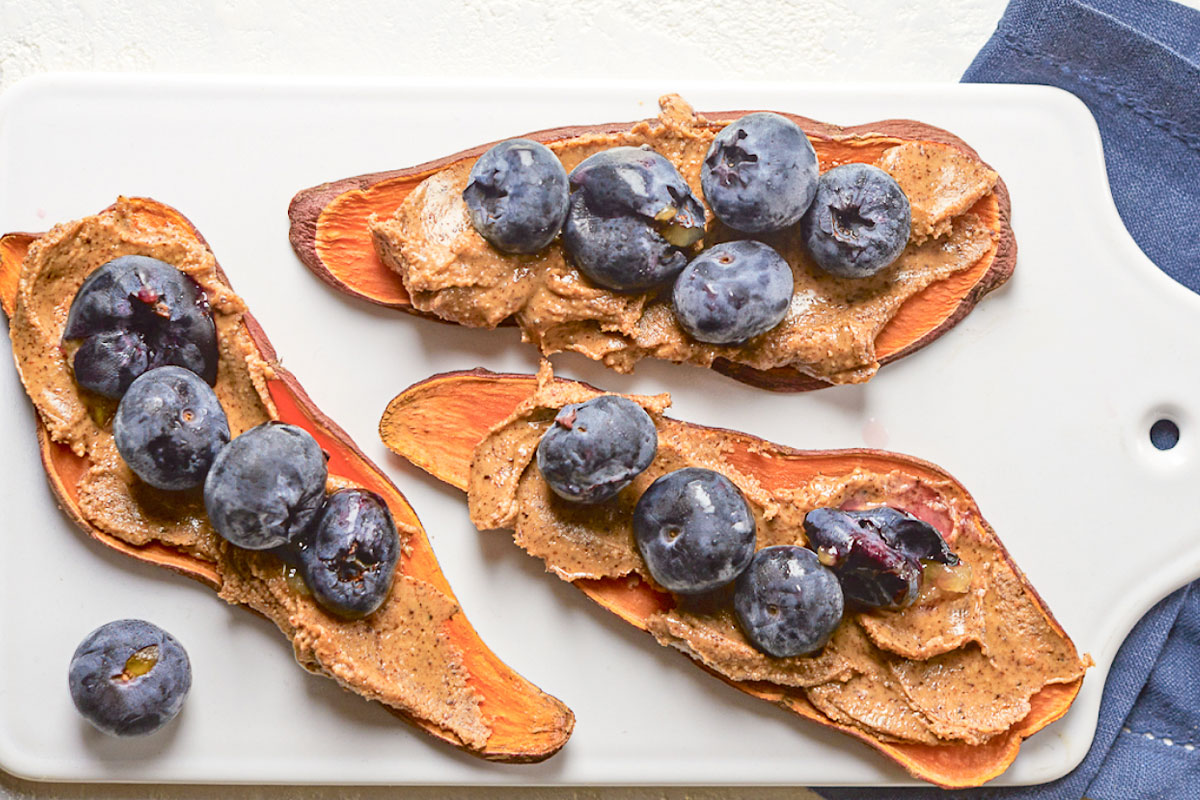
(1136, 64)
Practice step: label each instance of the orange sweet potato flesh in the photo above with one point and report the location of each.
(527, 725)
(455, 410)
(329, 234)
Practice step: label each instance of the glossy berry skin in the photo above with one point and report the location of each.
(912, 537)
(630, 213)
(516, 196)
(350, 558)
(266, 486)
(169, 427)
(595, 448)
(876, 554)
(760, 173)
(136, 313)
(733, 292)
(787, 603)
(123, 697)
(858, 223)
(694, 530)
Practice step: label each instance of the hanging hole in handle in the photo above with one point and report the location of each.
(1164, 434)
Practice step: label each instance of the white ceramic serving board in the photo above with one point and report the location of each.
(1040, 403)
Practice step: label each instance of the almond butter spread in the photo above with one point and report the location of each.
(830, 329)
(397, 655)
(953, 667)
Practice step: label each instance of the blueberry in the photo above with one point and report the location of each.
(595, 448)
(788, 604)
(266, 486)
(350, 558)
(733, 292)
(517, 196)
(912, 537)
(630, 213)
(858, 223)
(872, 573)
(760, 173)
(107, 363)
(694, 529)
(136, 313)
(169, 427)
(129, 677)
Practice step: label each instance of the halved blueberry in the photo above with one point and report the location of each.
(876, 553)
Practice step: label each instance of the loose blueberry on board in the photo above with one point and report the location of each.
(595, 448)
(169, 427)
(516, 196)
(694, 530)
(733, 292)
(350, 559)
(788, 604)
(858, 223)
(129, 677)
(630, 213)
(136, 313)
(266, 486)
(872, 573)
(760, 173)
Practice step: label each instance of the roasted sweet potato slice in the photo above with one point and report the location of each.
(436, 424)
(516, 721)
(330, 235)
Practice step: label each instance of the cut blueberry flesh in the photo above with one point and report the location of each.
(760, 173)
(872, 570)
(169, 427)
(266, 486)
(694, 530)
(516, 196)
(595, 448)
(733, 292)
(629, 213)
(859, 221)
(350, 558)
(136, 313)
(787, 602)
(129, 677)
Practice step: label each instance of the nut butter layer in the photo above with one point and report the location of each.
(948, 686)
(417, 654)
(836, 331)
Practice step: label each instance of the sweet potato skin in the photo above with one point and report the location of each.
(527, 724)
(329, 235)
(456, 409)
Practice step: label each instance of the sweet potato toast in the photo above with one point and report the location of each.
(329, 232)
(438, 423)
(512, 720)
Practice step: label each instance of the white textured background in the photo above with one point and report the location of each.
(778, 40)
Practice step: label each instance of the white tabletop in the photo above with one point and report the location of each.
(775, 40)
